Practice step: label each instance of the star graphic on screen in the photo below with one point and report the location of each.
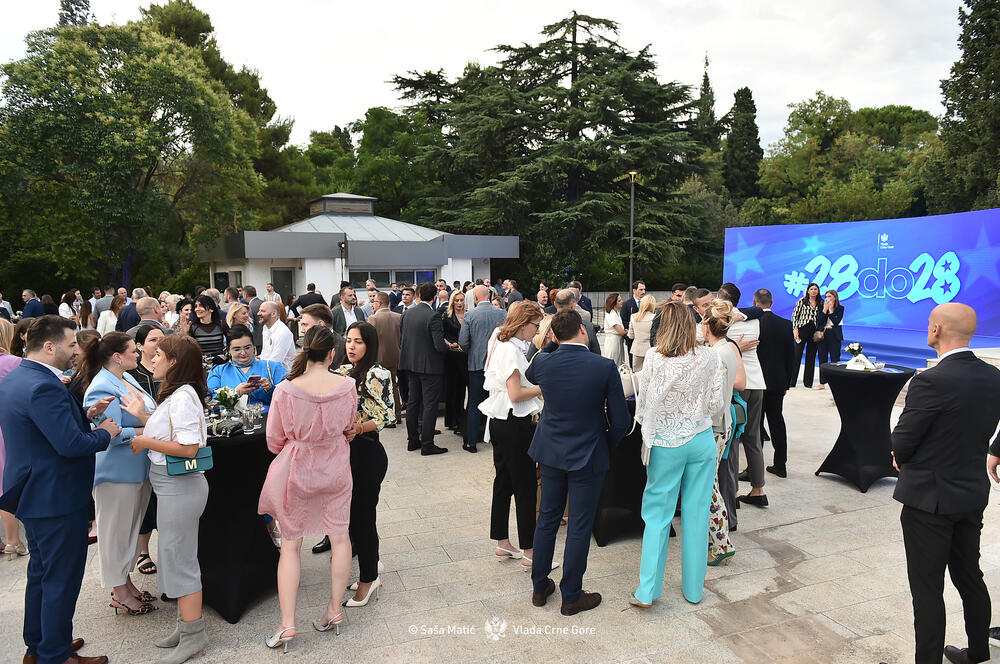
(946, 288)
(813, 245)
(744, 259)
(981, 262)
(947, 266)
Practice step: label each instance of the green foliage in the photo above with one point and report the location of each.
(74, 12)
(742, 154)
(117, 145)
(968, 167)
(707, 129)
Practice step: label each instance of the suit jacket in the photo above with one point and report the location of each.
(398, 309)
(49, 470)
(587, 305)
(592, 343)
(776, 352)
(32, 309)
(128, 318)
(305, 300)
(340, 321)
(258, 330)
(943, 435)
(835, 333)
(578, 388)
(654, 327)
(117, 463)
(387, 324)
(422, 346)
(628, 309)
(102, 305)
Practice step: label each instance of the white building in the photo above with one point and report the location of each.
(343, 240)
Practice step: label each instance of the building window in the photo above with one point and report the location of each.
(404, 277)
(360, 277)
(425, 275)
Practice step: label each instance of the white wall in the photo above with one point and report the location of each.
(324, 272)
(457, 269)
(480, 268)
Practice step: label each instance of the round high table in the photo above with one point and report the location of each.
(863, 451)
(238, 560)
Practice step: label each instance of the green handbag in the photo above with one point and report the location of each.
(200, 462)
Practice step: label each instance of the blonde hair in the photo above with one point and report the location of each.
(451, 302)
(646, 306)
(6, 335)
(719, 318)
(543, 330)
(520, 314)
(231, 313)
(676, 335)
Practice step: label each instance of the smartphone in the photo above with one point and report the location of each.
(254, 380)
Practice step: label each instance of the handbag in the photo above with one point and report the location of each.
(200, 462)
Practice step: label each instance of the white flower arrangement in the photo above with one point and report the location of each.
(227, 397)
(854, 349)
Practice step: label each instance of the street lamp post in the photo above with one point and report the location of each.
(631, 227)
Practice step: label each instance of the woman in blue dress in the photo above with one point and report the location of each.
(244, 372)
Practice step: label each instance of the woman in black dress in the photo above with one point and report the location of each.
(456, 367)
(207, 328)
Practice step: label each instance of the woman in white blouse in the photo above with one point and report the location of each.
(109, 317)
(511, 404)
(680, 387)
(614, 329)
(177, 428)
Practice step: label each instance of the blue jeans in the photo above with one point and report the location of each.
(691, 466)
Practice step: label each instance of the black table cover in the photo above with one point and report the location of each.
(863, 451)
(619, 509)
(238, 560)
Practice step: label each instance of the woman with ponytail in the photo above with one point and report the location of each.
(121, 479)
(308, 486)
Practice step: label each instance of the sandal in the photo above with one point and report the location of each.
(147, 567)
(143, 609)
(146, 597)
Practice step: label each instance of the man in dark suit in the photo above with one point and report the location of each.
(347, 312)
(32, 305)
(48, 479)
(311, 297)
(511, 294)
(776, 353)
(572, 446)
(320, 314)
(254, 302)
(421, 355)
(104, 303)
(938, 447)
(631, 306)
(582, 299)
(566, 301)
(129, 317)
(387, 326)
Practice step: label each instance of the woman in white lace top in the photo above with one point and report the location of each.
(681, 386)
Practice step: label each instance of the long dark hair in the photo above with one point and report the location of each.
(97, 352)
(208, 303)
(316, 345)
(17, 345)
(369, 335)
(187, 370)
(86, 312)
(819, 298)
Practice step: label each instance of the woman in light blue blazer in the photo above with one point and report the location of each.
(121, 478)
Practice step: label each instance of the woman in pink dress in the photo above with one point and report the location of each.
(308, 486)
(12, 537)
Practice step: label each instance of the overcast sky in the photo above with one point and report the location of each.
(326, 62)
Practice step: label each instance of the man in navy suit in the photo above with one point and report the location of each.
(572, 446)
(48, 478)
(32, 305)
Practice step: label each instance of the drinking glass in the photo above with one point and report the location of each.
(873, 360)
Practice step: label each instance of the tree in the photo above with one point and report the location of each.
(117, 147)
(742, 154)
(707, 128)
(969, 167)
(539, 146)
(74, 12)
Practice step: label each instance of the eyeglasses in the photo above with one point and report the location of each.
(241, 349)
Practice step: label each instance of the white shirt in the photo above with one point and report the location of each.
(750, 330)
(678, 396)
(66, 311)
(502, 359)
(181, 412)
(279, 344)
(964, 349)
(722, 420)
(349, 317)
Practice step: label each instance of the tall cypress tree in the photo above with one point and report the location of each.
(742, 154)
(74, 12)
(707, 129)
(970, 128)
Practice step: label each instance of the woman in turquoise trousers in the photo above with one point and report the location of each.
(681, 385)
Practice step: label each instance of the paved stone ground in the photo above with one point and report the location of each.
(820, 576)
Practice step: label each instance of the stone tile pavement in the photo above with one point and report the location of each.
(819, 576)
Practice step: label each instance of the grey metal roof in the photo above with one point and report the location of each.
(363, 227)
(342, 195)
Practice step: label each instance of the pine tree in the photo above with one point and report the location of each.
(742, 154)
(74, 12)
(971, 124)
(707, 129)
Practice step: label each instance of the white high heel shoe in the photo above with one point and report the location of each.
(333, 624)
(507, 554)
(280, 639)
(527, 568)
(381, 568)
(373, 588)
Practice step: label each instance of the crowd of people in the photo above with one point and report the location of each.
(101, 396)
